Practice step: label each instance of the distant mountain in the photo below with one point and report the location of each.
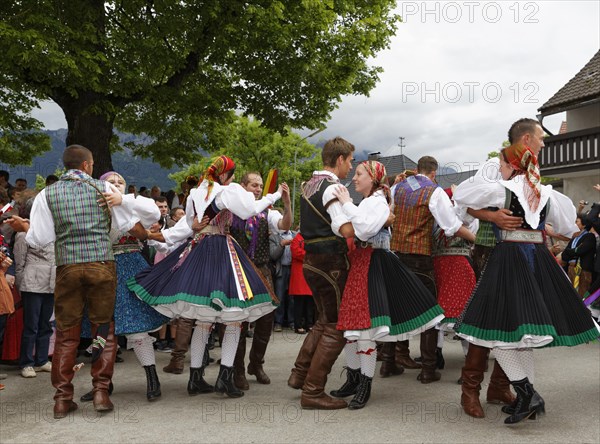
(135, 170)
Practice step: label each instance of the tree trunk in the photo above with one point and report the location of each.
(91, 130)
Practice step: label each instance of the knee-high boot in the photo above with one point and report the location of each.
(63, 360)
(389, 366)
(428, 353)
(403, 356)
(499, 389)
(330, 345)
(182, 341)
(472, 375)
(102, 372)
(262, 334)
(305, 355)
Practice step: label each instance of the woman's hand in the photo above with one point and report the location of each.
(341, 192)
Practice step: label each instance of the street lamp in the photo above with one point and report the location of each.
(295, 159)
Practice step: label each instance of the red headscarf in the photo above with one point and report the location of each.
(525, 162)
(220, 165)
(377, 173)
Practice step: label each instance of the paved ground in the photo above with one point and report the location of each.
(401, 409)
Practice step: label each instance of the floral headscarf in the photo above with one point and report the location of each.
(525, 162)
(377, 173)
(219, 165)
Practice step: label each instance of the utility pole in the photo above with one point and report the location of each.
(401, 145)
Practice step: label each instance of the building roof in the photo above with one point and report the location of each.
(584, 87)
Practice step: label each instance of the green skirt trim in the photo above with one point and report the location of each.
(407, 326)
(258, 299)
(530, 329)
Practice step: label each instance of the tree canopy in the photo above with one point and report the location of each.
(175, 71)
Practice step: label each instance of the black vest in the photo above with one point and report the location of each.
(315, 225)
(260, 256)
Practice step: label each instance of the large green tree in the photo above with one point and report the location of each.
(174, 70)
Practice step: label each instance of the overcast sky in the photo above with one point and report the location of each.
(457, 74)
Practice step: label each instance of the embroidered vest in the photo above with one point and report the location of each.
(81, 225)
(413, 226)
(253, 236)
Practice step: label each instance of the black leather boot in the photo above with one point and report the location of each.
(225, 383)
(153, 384)
(197, 385)
(523, 409)
(537, 402)
(349, 387)
(363, 393)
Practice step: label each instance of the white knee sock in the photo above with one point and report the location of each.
(440, 342)
(510, 361)
(528, 363)
(465, 346)
(368, 357)
(352, 357)
(199, 340)
(142, 347)
(230, 343)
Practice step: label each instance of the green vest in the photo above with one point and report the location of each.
(81, 225)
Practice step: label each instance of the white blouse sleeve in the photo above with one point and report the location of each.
(444, 212)
(478, 193)
(123, 216)
(146, 210)
(274, 217)
(336, 213)
(242, 203)
(369, 217)
(562, 214)
(178, 232)
(41, 223)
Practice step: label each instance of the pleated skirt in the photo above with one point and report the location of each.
(455, 281)
(524, 299)
(383, 300)
(211, 280)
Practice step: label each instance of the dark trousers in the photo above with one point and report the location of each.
(285, 311)
(304, 311)
(37, 330)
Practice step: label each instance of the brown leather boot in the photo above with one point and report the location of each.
(262, 334)
(331, 344)
(388, 363)
(499, 389)
(428, 353)
(305, 355)
(472, 375)
(102, 372)
(63, 360)
(403, 358)
(182, 340)
(239, 368)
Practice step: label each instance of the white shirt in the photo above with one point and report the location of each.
(483, 194)
(369, 217)
(233, 197)
(41, 227)
(335, 211)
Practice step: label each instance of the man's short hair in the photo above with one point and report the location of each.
(427, 164)
(161, 199)
(75, 155)
(20, 179)
(174, 210)
(5, 174)
(335, 148)
(51, 178)
(520, 128)
(245, 180)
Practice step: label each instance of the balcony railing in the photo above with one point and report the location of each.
(570, 152)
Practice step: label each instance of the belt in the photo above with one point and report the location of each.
(211, 229)
(525, 236)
